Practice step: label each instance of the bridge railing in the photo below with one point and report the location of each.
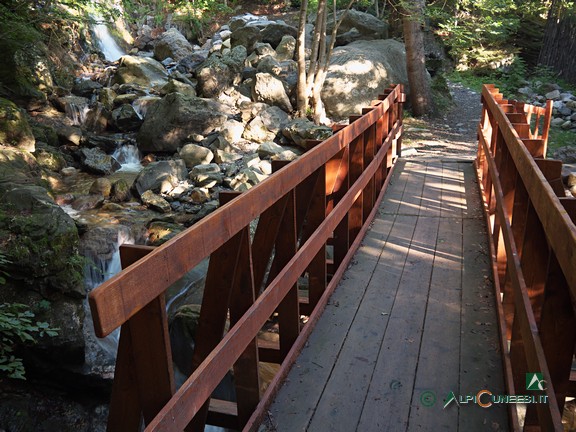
(533, 240)
(309, 218)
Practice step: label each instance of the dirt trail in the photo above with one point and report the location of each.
(450, 136)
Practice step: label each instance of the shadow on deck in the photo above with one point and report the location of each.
(412, 320)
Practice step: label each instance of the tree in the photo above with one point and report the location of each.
(311, 81)
(420, 92)
(560, 40)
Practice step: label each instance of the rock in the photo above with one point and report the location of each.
(14, 128)
(565, 111)
(106, 97)
(208, 175)
(144, 71)
(232, 131)
(182, 335)
(120, 191)
(68, 135)
(270, 90)
(193, 155)
(95, 161)
(50, 159)
(566, 125)
(126, 98)
(87, 202)
(143, 104)
(368, 26)
(269, 64)
(172, 44)
(101, 186)
(160, 177)
(246, 180)
(571, 180)
(242, 20)
(558, 121)
(177, 86)
(170, 121)
(246, 37)
(40, 240)
(97, 118)
(271, 150)
(85, 87)
(359, 72)
(286, 48)
(220, 71)
(126, 119)
(155, 202)
(300, 130)
(274, 32)
(160, 232)
(554, 95)
(199, 195)
(566, 154)
(266, 125)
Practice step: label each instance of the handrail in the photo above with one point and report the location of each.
(321, 202)
(533, 242)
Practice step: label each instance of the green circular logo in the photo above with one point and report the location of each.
(428, 398)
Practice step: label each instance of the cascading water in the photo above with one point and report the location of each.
(98, 270)
(129, 157)
(108, 45)
(77, 111)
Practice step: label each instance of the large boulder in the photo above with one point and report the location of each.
(95, 161)
(160, 177)
(14, 128)
(366, 26)
(17, 167)
(40, 240)
(220, 71)
(266, 125)
(359, 72)
(269, 89)
(193, 155)
(172, 44)
(247, 37)
(275, 31)
(144, 71)
(125, 118)
(171, 121)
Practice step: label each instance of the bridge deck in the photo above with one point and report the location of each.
(412, 320)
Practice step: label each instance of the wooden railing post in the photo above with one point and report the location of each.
(144, 378)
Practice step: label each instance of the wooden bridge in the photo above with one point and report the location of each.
(392, 294)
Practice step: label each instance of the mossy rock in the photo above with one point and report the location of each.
(41, 241)
(14, 128)
(17, 167)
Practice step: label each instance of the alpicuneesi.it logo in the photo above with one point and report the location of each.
(485, 398)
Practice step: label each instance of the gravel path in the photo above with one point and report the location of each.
(452, 136)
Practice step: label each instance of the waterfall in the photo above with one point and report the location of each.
(106, 42)
(98, 270)
(77, 112)
(129, 157)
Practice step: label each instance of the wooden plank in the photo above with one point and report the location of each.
(317, 272)
(356, 166)
(481, 356)
(398, 180)
(453, 193)
(391, 390)
(288, 310)
(431, 202)
(246, 378)
(412, 197)
(441, 333)
(125, 412)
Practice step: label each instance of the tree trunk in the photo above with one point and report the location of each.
(560, 41)
(420, 92)
(301, 95)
